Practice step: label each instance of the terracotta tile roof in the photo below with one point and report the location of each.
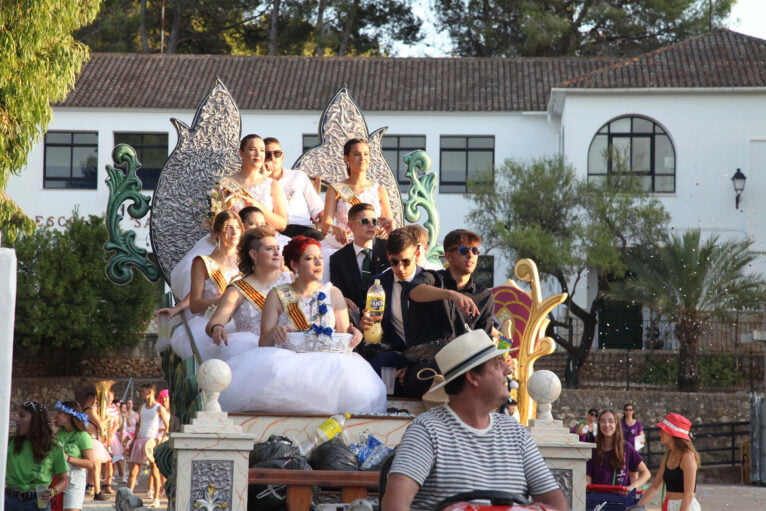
(112, 80)
(721, 58)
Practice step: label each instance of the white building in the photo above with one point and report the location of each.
(691, 113)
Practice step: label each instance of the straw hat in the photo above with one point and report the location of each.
(464, 353)
(675, 425)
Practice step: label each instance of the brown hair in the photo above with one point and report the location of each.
(40, 433)
(251, 240)
(419, 232)
(243, 143)
(359, 208)
(685, 446)
(224, 216)
(351, 143)
(270, 140)
(617, 461)
(460, 237)
(400, 239)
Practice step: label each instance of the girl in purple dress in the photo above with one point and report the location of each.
(631, 427)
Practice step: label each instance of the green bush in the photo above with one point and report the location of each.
(66, 308)
(714, 371)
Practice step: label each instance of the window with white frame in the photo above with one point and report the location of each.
(637, 145)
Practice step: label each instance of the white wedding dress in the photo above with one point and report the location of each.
(179, 340)
(277, 380)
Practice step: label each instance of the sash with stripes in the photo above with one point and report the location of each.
(291, 306)
(214, 273)
(250, 293)
(344, 192)
(227, 184)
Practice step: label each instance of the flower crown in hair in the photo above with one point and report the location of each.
(78, 415)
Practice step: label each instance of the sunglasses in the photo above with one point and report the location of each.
(34, 405)
(395, 262)
(629, 409)
(273, 154)
(367, 221)
(463, 251)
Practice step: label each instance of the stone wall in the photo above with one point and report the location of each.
(136, 362)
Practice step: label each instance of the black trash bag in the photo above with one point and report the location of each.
(333, 455)
(272, 497)
(273, 448)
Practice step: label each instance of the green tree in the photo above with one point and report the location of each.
(540, 210)
(39, 60)
(271, 27)
(66, 308)
(688, 281)
(507, 28)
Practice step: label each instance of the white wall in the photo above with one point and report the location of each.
(713, 134)
(521, 135)
(7, 308)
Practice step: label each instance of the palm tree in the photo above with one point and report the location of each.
(688, 281)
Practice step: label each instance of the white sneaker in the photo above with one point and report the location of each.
(124, 479)
(150, 495)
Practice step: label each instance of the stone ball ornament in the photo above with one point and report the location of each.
(545, 388)
(213, 377)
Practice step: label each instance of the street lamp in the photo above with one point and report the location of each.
(738, 179)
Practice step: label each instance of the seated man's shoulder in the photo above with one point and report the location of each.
(430, 277)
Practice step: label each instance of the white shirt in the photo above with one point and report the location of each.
(397, 318)
(360, 256)
(303, 202)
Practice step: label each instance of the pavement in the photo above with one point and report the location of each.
(712, 497)
(142, 484)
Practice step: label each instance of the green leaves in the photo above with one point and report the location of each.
(508, 28)
(66, 305)
(39, 61)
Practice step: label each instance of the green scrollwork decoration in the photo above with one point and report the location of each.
(421, 195)
(125, 185)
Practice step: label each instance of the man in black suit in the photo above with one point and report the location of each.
(352, 267)
(402, 251)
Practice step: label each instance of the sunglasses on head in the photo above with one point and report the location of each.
(273, 154)
(463, 251)
(34, 405)
(395, 262)
(367, 221)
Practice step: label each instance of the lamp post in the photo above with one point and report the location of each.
(738, 179)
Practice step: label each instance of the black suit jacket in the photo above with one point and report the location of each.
(345, 273)
(390, 336)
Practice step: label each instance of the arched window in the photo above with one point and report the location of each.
(643, 147)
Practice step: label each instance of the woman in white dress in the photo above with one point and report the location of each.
(251, 186)
(210, 274)
(261, 264)
(277, 380)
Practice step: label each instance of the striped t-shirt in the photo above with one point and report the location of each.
(445, 456)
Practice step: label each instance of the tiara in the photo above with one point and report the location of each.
(78, 415)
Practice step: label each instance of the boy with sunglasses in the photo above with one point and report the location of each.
(304, 207)
(446, 303)
(352, 267)
(402, 251)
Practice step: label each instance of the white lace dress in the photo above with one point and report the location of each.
(246, 321)
(180, 275)
(179, 340)
(278, 380)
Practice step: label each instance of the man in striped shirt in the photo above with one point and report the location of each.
(464, 446)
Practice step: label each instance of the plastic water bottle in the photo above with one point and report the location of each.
(376, 304)
(328, 430)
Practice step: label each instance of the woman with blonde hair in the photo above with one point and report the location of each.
(678, 471)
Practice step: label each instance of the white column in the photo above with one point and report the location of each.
(7, 311)
(211, 454)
